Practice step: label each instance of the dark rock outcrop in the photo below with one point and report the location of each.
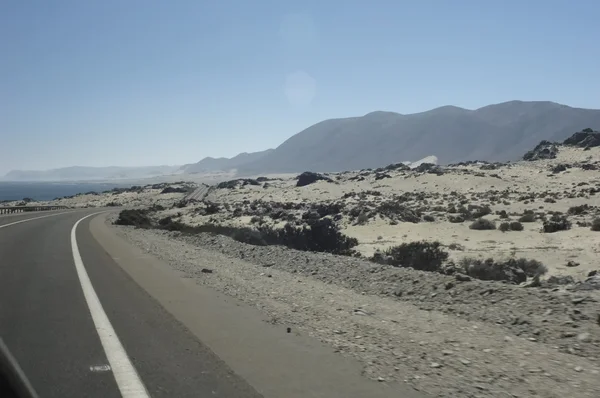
(543, 150)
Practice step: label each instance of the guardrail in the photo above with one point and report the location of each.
(24, 209)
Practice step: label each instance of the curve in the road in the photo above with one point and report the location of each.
(127, 378)
(30, 219)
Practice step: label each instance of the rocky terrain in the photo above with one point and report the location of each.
(542, 209)
(474, 279)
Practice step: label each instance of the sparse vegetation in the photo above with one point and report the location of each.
(595, 224)
(516, 226)
(137, 218)
(556, 223)
(511, 270)
(527, 217)
(483, 224)
(423, 255)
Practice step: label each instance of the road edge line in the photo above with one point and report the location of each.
(128, 380)
(33, 218)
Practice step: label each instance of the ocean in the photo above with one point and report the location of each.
(51, 190)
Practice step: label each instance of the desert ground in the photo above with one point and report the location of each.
(491, 291)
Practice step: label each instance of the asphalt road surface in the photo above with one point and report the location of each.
(88, 315)
(199, 193)
(47, 323)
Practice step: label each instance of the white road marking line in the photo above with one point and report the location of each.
(100, 368)
(31, 219)
(129, 382)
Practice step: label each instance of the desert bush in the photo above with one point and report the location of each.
(422, 255)
(136, 217)
(480, 211)
(556, 223)
(578, 210)
(529, 266)
(516, 226)
(511, 270)
(156, 207)
(394, 210)
(456, 219)
(328, 209)
(527, 217)
(211, 208)
(595, 224)
(502, 214)
(181, 204)
(504, 227)
(321, 235)
(482, 224)
(227, 184)
(428, 218)
(170, 225)
(362, 218)
(175, 190)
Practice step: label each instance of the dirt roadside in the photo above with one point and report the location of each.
(452, 340)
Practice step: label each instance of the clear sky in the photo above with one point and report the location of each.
(145, 82)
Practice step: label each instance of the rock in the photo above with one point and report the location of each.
(544, 150)
(592, 273)
(591, 283)
(577, 300)
(586, 138)
(584, 337)
(572, 264)
(534, 282)
(449, 285)
(309, 177)
(447, 352)
(398, 292)
(462, 277)
(578, 369)
(206, 271)
(465, 361)
(561, 280)
(568, 334)
(436, 365)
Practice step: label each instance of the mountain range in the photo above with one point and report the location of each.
(497, 132)
(80, 173)
(223, 164)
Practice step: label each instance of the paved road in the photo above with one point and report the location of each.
(88, 315)
(46, 321)
(199, 193)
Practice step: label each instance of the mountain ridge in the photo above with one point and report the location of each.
(496, 132)
(77, 173)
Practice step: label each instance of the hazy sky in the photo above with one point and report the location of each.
(143, 82)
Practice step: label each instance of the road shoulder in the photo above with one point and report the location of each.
(274, 362)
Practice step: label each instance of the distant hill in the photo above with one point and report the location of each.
(224, 164)
(79, 173)
(495, 133)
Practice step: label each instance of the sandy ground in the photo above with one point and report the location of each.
(513, 188)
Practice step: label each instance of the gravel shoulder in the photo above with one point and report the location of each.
(452, 338)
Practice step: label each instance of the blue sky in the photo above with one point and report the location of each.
(143, 82)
